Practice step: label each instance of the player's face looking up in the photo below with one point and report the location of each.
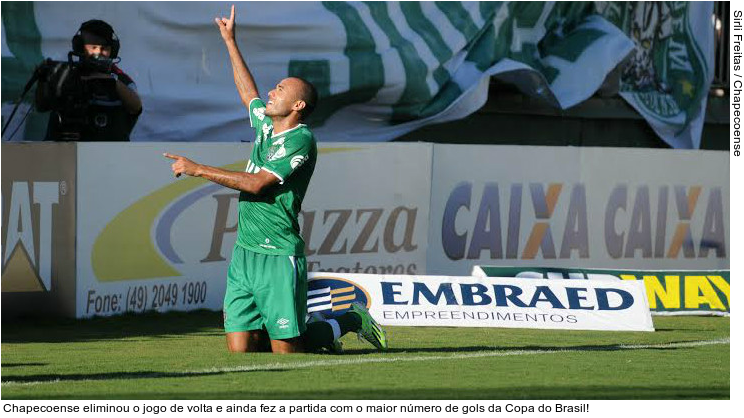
(285, 98)
(97, 50)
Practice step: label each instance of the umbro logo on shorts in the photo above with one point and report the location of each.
(283, 323)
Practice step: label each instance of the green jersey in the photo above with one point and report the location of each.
(268, 222)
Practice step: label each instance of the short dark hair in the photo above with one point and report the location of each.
(309, 95)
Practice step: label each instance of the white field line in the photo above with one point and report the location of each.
(367, 360)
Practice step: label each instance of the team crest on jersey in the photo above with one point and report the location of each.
(265, 129)
(277, 153)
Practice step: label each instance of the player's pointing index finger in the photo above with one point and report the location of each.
(232, 13)
(171, 156)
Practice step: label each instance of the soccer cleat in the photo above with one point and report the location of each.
(370, 329)
(337, 347)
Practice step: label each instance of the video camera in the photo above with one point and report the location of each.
(69, 86)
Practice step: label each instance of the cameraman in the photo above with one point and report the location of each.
(91, 99)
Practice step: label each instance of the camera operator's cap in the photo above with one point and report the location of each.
(94, 39)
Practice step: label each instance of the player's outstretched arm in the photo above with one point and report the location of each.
(243, 78)
(246, 182)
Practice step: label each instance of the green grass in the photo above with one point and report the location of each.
(183, 356)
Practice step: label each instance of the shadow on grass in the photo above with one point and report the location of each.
(87, 377)
(312, 361)
(482, 348)
(150, 324)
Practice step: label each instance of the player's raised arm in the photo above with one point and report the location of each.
(243, 78)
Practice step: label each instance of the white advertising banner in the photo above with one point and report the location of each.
(147, 241)
(610, 208)
(485, 301)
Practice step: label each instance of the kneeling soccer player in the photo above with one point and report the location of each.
(265, 303)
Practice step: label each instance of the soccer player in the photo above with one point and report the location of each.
(265, 305)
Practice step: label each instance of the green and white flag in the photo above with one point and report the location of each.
(668, 76)
(382, 68)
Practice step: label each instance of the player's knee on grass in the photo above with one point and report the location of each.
(248, 342)
(288, 346)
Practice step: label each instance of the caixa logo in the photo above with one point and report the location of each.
(332, 296)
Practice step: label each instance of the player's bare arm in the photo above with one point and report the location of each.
(246, 182)
(243, 78)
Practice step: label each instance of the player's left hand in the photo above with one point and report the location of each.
(182, 165)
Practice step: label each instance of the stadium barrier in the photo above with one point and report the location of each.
(104, 228)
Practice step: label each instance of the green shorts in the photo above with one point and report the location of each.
(266, 291)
